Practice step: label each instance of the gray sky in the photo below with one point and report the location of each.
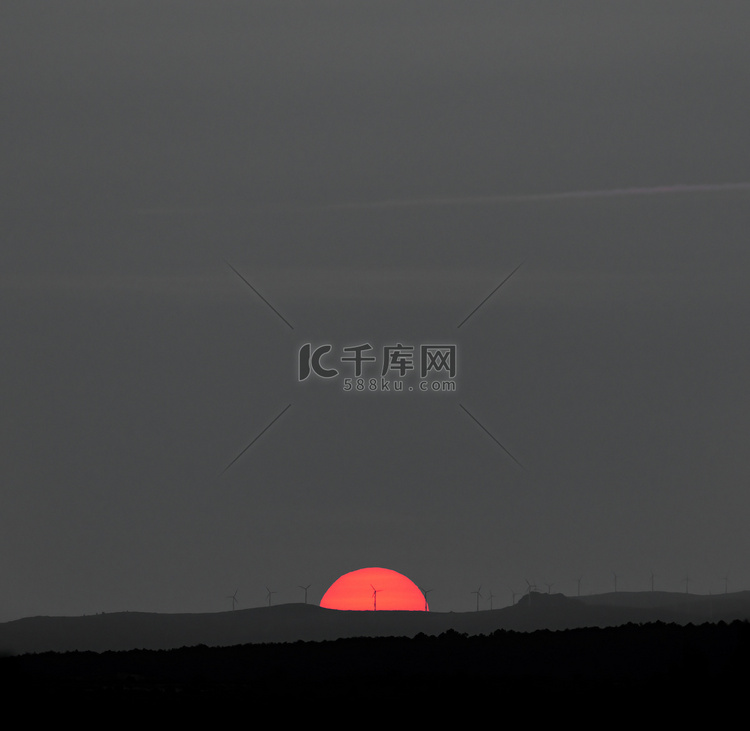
(374, 171)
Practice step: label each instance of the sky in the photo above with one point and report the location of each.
(194, 191)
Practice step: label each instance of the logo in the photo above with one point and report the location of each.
(361, 369)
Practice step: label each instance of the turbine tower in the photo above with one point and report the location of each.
(270, 593)
(479, 596)
(531, 587)
(375, 598)
(425, 592)
(233, 598)
(549, 587)
(305, 588)
(491, 597)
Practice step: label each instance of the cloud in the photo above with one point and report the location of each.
(537, 197)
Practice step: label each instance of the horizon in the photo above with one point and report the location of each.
(518, 602)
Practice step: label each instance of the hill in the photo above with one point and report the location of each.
(295, 622)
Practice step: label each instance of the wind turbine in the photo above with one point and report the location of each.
(726, 584)
(305, 588)
(270, 593)
(425, 592)
(491, 597)
(375, 598)
(479, 596)
(531, 587)
(549, 587)
(687, 583)
(233, 598)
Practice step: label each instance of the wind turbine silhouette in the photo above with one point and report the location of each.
(233, 598)
(425, 592)
(270, 593)
(305, 588)
(491, 597)
(479, 596)
(375, 598)
(549, 587)
(687, 583)
(530, 587)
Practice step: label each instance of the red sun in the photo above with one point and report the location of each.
(374, 589)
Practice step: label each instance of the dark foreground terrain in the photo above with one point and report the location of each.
(633, 665)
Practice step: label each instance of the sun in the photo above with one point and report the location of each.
(374, 589)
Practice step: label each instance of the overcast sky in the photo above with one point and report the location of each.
(373, 171)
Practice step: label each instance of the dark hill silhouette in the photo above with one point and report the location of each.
(294, 622)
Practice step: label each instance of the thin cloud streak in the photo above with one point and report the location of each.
(537, 197)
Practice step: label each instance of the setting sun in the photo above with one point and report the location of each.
(374, 589)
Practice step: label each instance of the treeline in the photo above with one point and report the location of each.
(650, 659)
